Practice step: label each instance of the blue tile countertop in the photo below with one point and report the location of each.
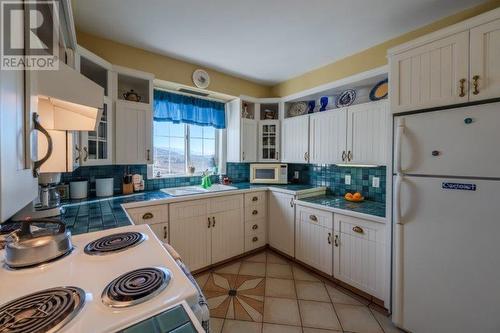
(366, 207)
(94, 214)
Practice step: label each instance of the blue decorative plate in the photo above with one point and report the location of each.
(346, 98)
(380, 90)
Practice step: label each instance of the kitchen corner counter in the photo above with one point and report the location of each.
(370, 210)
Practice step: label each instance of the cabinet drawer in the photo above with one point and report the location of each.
(255, 226)
(222, 204)
(149, 214)
(255, 241)
(256, 198)
(316, 216)
(360, 228)
(255, 212)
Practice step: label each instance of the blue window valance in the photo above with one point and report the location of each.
(186, 109)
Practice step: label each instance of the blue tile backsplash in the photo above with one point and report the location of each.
(90, 173)
(331, 176)
(328, 175)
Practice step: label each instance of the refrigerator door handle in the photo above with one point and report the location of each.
(400, 130)
(397, 316)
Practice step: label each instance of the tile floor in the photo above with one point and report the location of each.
(266, 293)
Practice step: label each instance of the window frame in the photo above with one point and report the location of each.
(187, 152)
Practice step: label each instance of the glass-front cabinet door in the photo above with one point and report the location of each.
(269, 139)
(96, 145)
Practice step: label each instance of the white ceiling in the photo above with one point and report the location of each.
(266, 41)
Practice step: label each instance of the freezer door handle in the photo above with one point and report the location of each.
(400, 130)
(397, 315)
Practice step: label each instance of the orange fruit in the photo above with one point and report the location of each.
(348, 196)
(356, 196)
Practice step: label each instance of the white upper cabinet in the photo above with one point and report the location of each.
(431, 75)
(269, 140)
(367, 133)
(248, 140)
(295, 140)
(134, 139)
(485, 61)
(241, 131)
(328, 135)
(455, 65)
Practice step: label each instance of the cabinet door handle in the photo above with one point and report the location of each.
(357, 229)
(291, 202)
(277, 155)
(306, 156)
(255, 227)
(243, 156)
(313, 218)
(38, 127)
(86, 151)
(147, 216)
(213, 221)
(329, 238)
(475, 83)
(343, 156)
(255, 239)
(147, 154)
(165, 232)
(255, 212)
(79, 151)
(255, 199)
(349, 156)
(209, 222)
(462, 87)
(336, 241)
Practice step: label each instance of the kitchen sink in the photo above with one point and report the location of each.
(196, 189)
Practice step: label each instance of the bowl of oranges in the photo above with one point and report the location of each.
(354, 197)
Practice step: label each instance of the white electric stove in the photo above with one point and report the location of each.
(104, 286)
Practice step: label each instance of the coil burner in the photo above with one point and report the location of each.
(114, 243)
(44, 311)
(136, 287)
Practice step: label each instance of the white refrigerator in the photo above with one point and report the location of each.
(446, 214)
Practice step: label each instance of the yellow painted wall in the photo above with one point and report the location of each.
(371, 58)
(166, 68)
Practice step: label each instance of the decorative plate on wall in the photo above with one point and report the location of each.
(297, 109)
(346, 98)
(201, 79)
(380, 90)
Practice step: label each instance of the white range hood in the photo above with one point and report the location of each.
(68, 101)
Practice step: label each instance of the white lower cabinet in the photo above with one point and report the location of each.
(204, 233)
(314, 238)
(227, 235)
(161, 231)
(282, 222)
(359, 258)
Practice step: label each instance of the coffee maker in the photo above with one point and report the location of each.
(48, 202)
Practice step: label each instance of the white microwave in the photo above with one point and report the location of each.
(269, 173)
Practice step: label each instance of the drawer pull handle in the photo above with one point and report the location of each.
(462, 87)
(255, 227)
(209, 222)
(357, 229)
(255, 239)
(255, 212)
(255, 199)
(336, 241)
(313, 218)
(475, 83)
(329, 238)
(164, 232)
(147, 216)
